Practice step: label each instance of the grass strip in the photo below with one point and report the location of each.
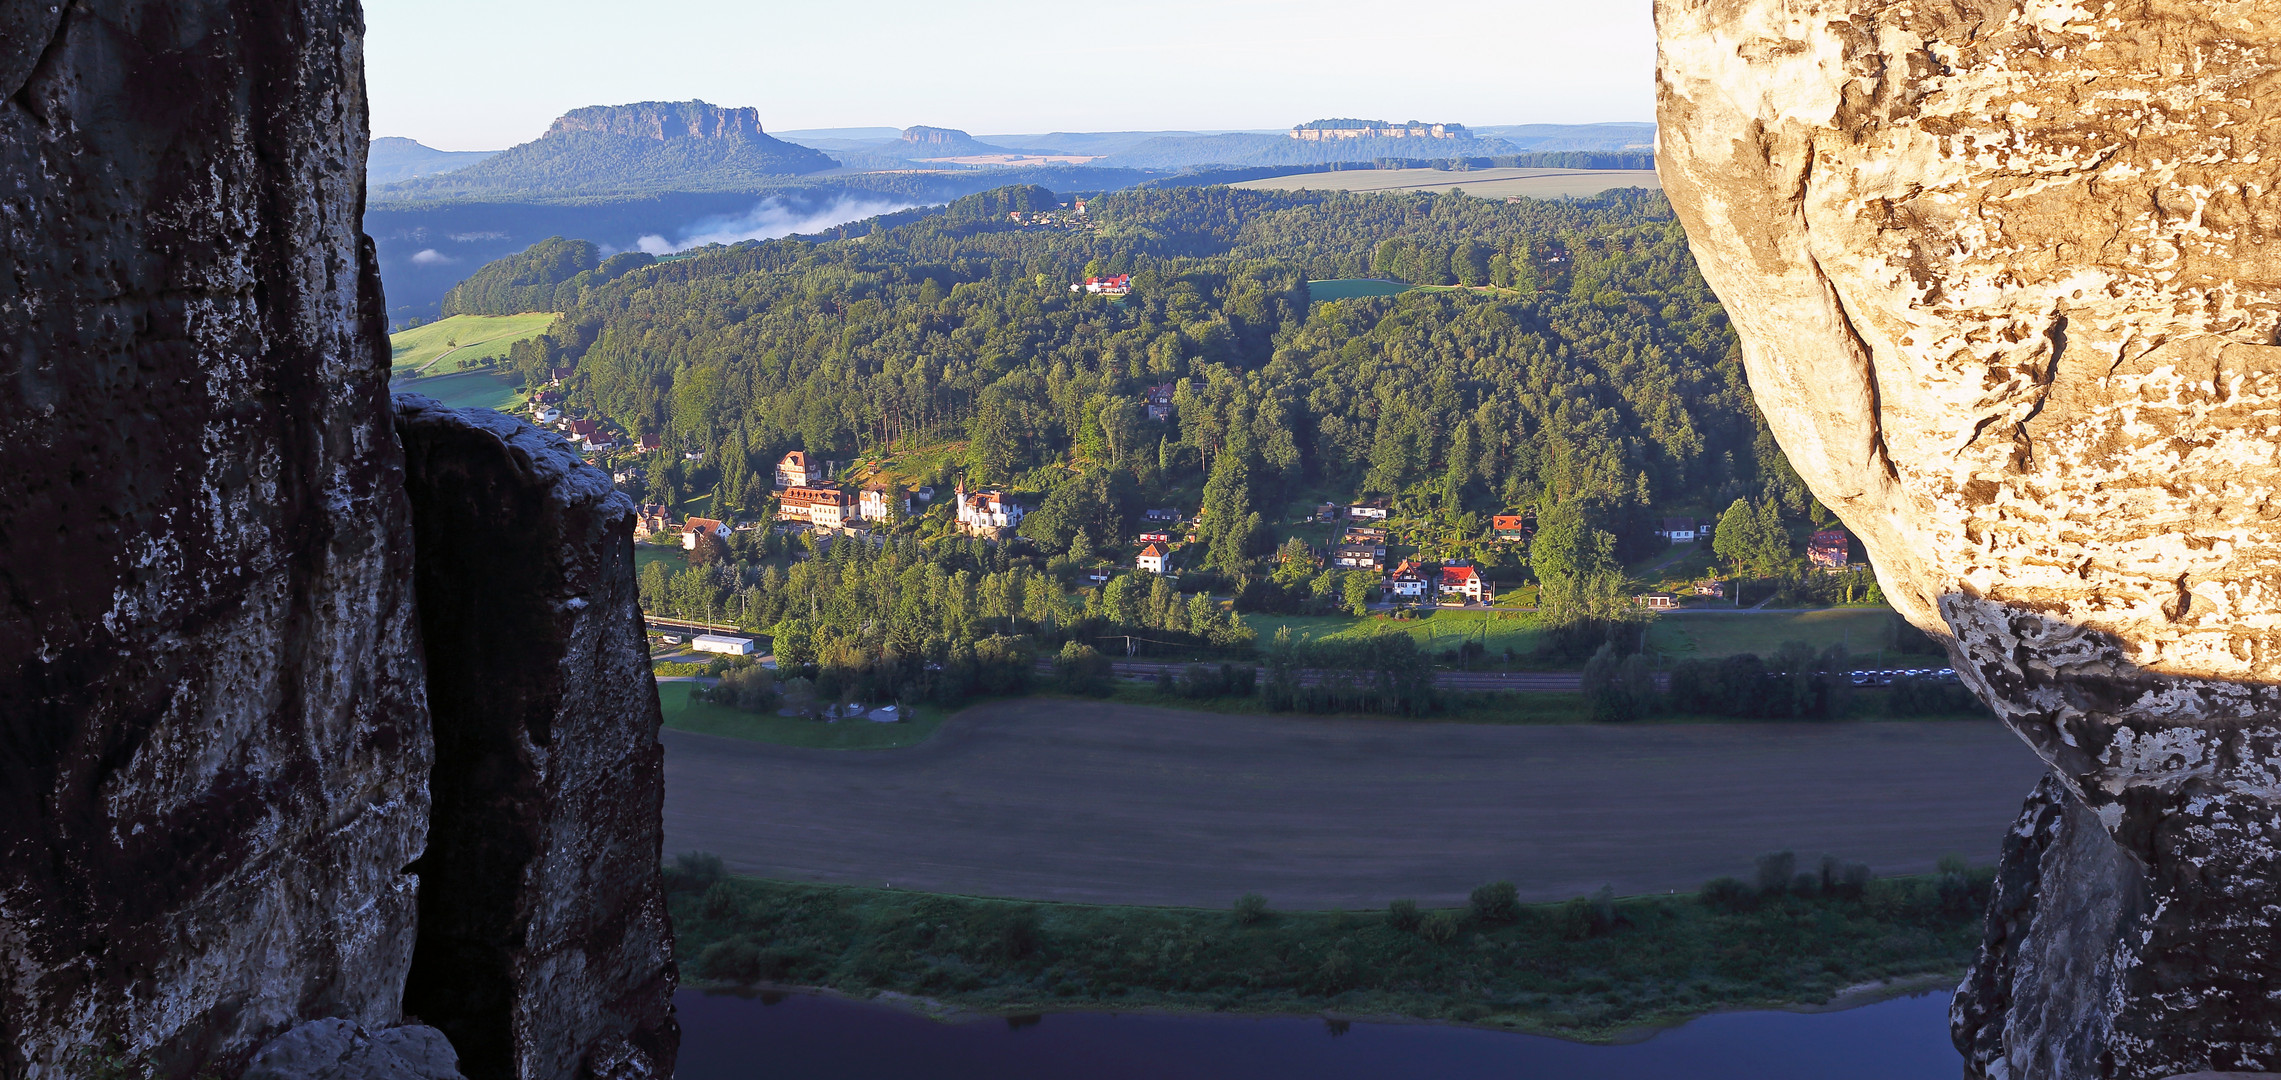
(1591, 969)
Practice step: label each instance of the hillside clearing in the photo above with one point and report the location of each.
(457, 340)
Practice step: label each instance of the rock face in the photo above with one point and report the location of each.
(544, 940)
(213, 747)
(216, 744)
(2008, 285)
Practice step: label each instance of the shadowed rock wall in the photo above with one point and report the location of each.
(2008, 281)
(213, 750)
(216, 749)
(544, 939)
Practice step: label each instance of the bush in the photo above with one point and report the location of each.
(1775, 871)
(1931, 697)
(1250, 908)
(1589, 916)
(1226, 680)
(734, 960)
(694, 871)
(1496, 903)
(1725, 894)
(1847, 880)
(1084, 670)
(752, 689)
(1402, 915)
(722, 901)
(1440, 927)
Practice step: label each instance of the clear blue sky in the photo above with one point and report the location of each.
(484, 74)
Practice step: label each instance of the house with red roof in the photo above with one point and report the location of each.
(1151, 560)
(1462, 584)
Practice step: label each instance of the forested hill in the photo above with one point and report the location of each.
(1593, 368)
(651, 146)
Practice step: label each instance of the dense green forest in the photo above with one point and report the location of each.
(1590, 375)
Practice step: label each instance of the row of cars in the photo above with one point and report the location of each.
(1886, 676)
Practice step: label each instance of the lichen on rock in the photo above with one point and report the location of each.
(2008, 281)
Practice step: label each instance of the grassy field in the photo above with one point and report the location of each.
(671, 555)
(466, 390)
(1496, 630)
(1592, 968)
(683, 712)
(1349, 288)
(477, 337)
(1690, 636)
(1486, 183)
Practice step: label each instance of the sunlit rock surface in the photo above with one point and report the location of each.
(2008, 277)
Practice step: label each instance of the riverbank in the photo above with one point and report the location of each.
(1597, 970)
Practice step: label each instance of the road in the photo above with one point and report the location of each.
(1058, 800)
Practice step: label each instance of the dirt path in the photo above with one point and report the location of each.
(1057, 800)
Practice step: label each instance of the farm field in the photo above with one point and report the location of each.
(684, 712)
(1486, 183)
(1173, 807)
(466, 390)
(1497, 631)
(1702, 635)
(479, 337)
(1350, 288)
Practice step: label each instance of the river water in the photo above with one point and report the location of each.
(805, 1037)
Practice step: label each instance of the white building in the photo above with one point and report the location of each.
(989, 512)
(1151, 559)
(723, 644)
(1678, 530)
(694, 526)
(881, 500)
(792, 472)
(1366, 512)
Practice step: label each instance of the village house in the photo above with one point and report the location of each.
(1164, 514)
(1657, 601)
(1155, 538)
(1366, 512)
(1326, 512)
(1462, 584)
(652, 443)
(1118, 285)
(1510, 527)
(548, 415)
(1408, 581)
(560, 375)
(1829, 549)
(1677, 530)
(989, 513)
(651, 520)
(1159, 399)
(882, 500)
(792, 470)
(1151, 560)
(694, 527)
(1711, 587)
(585, 431)
(823, 507)
(1358, 556)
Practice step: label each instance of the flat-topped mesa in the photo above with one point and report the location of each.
(662, 120)
(2008, 291)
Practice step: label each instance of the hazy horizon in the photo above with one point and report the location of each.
(485, 77)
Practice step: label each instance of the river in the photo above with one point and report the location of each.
(809, 1037)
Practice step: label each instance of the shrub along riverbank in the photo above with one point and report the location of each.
(1588, 969)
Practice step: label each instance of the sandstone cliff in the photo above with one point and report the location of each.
(2008, 292)
(214, 766)
(543, 929)
(224, 816)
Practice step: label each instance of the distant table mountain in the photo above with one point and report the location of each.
(648, 146)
